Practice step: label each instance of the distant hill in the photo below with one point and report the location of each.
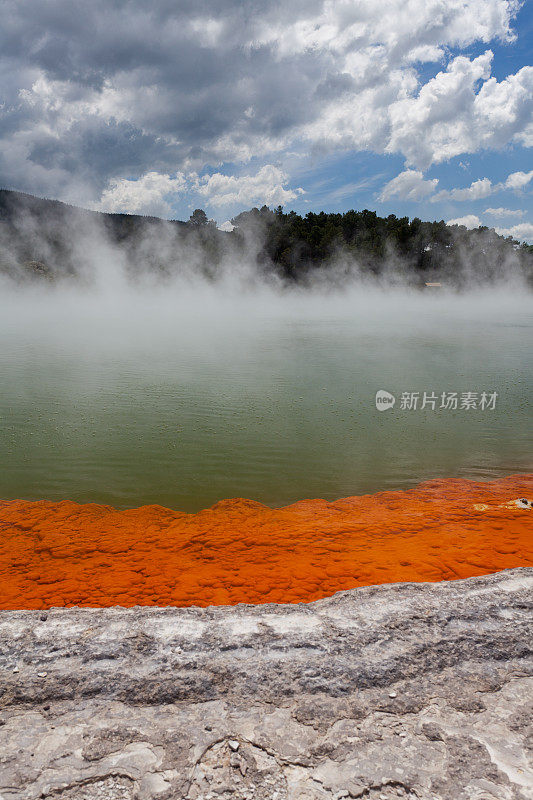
(13, 204)
(49, 240)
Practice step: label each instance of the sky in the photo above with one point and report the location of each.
(413, 107)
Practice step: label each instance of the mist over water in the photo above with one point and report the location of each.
(189, 393)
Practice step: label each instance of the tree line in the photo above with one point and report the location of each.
(299, 245)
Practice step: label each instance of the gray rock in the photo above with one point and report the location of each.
(419, 691)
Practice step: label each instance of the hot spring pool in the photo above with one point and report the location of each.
(183, 398)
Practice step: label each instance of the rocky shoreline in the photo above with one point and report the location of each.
(397, 691)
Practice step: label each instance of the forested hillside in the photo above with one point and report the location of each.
(49, 240)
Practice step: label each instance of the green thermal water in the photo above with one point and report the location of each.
(187, 400)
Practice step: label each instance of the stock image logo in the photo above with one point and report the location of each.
(384, 400)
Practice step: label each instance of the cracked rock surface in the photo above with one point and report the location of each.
(419, 691)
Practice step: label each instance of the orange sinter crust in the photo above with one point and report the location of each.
(239, 551)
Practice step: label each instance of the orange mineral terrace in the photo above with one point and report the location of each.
(240, 551)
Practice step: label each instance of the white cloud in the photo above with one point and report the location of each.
(518, 180)
(462, 110)
(146, 195)
(484, 187)
(404, 24)
(411, 185)
(408, 185)
(469, 221)
(476, 191)
(523, 231)
(267, 187)
(153, 193)
(424, 53)
(503, 110)
(437, 123)
(504, 212)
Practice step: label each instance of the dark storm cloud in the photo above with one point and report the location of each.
(183, 75)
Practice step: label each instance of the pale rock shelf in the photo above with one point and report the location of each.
(419, 691)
